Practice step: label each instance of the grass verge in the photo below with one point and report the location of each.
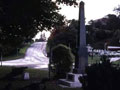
(20, 54)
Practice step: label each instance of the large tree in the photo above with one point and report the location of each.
(99, 32)
(104, 30)
(65, 35)
(20, 20)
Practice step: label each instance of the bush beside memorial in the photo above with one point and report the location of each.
(62, 60)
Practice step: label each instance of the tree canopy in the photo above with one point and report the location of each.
(20, 20)
(98, 32)
(105, 30)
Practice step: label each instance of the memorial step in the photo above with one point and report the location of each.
(66, 83)
(70, 81)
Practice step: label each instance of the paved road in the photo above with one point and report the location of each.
(35, 57)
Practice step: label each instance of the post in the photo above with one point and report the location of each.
(17, 51)
(1, 58)
(50, 58)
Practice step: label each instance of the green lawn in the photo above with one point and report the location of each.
(95, 59)
(117, 62)
(36, 75)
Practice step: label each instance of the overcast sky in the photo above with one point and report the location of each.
(94, 9)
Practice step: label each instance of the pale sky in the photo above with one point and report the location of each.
(94, 9)
(47, 34)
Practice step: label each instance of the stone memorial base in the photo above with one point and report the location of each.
(26, 76)
(71, 81)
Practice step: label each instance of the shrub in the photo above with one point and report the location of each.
(101, 76)
(62, 59)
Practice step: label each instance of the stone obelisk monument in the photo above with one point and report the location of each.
(82, 56)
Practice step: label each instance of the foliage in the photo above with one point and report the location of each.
(20, 53)
(117, 10)
(62, 60)
(104, 30)
(101, 76)
(98, 32)
(65, 35)
(21, 20)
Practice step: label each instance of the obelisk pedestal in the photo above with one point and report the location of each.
(81, 60)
